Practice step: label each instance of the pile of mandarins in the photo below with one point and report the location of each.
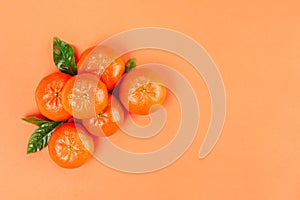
(82, 92)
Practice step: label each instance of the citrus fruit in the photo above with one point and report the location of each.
(84, 96)
(108, 121)
(70, 146)
(83, 56)
(104, 63)
(113, 73)
(140, 90)
(48, 96)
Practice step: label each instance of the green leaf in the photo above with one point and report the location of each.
(40, 137)
(63, 56)
(130, 65)
(34, 120)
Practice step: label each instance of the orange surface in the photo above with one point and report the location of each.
(256, 46)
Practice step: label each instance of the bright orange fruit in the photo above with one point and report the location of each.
(84, 96)
(140, 90)
(70, 146)
(113, 73)
(48, 96)
(108, 121)
(96, 63)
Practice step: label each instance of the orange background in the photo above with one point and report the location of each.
(256, 46)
